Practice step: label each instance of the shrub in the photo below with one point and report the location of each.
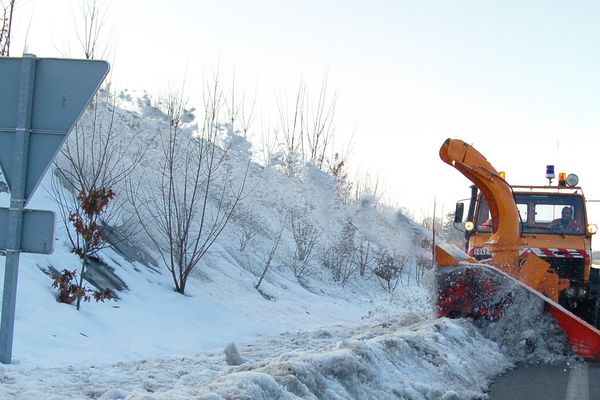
(388, 270)
(339, 257)
(69, 290)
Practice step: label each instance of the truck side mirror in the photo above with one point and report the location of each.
(458, 212)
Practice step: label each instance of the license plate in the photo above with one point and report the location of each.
(482, 251)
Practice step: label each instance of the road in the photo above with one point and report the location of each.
(578, 381)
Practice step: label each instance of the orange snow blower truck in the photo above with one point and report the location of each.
(536, 236)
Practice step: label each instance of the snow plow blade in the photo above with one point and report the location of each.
(475, 290)
(584, 338)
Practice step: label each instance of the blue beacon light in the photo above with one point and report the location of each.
(550, 173)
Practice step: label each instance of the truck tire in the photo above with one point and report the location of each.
(595, 312)
(594, 276)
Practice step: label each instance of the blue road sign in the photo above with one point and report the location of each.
(38, 231)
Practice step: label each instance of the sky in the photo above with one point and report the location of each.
(518, 80)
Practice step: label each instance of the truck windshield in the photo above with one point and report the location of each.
(541, 213)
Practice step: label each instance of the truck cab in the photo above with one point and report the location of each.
(553, 226)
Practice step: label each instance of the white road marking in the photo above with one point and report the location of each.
(578, 387)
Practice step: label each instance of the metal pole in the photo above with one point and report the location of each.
(17, 201)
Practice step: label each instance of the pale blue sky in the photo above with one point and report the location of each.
(518, 79)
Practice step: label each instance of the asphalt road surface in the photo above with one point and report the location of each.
(577, 381)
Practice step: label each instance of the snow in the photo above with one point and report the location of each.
(313, 339)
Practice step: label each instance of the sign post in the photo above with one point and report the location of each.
(15, 212)
(40, 101)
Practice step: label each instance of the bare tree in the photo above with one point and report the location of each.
(269, 146)
(321, 129)
(339, 258)
(244, 226)
(90, 26)
(305, 235)
(388, 270)
(96, 155)
(292, 129)
(276, 241)
(93, 164)
(90, 172)
(306, 130)
(238, 111)
(367, 187)
(363, 256)
(336, 166)
(194, 197)
(435, 224)
(6, 22)
(422, 264)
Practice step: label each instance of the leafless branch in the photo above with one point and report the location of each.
(91, 26)
(95, 159)
(6, 27)
(306, 130)
(195, 197)
(271, 255)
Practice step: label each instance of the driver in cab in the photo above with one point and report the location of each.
(566, 223)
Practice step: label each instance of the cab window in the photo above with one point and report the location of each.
(541, 213)
(484, 220)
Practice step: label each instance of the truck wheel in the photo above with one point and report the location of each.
(595, 276)
(595, 320)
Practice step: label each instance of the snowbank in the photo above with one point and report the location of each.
(310, 338)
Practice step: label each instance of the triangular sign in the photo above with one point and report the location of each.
(62, 89)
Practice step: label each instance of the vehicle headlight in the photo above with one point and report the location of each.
(592, 229)
(572, 180)
(469, 226)
(578, 291)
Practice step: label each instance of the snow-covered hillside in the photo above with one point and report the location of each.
(310, 335)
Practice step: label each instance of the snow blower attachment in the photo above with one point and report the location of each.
(532, 236)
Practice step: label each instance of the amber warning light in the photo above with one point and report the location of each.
(562, 179)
